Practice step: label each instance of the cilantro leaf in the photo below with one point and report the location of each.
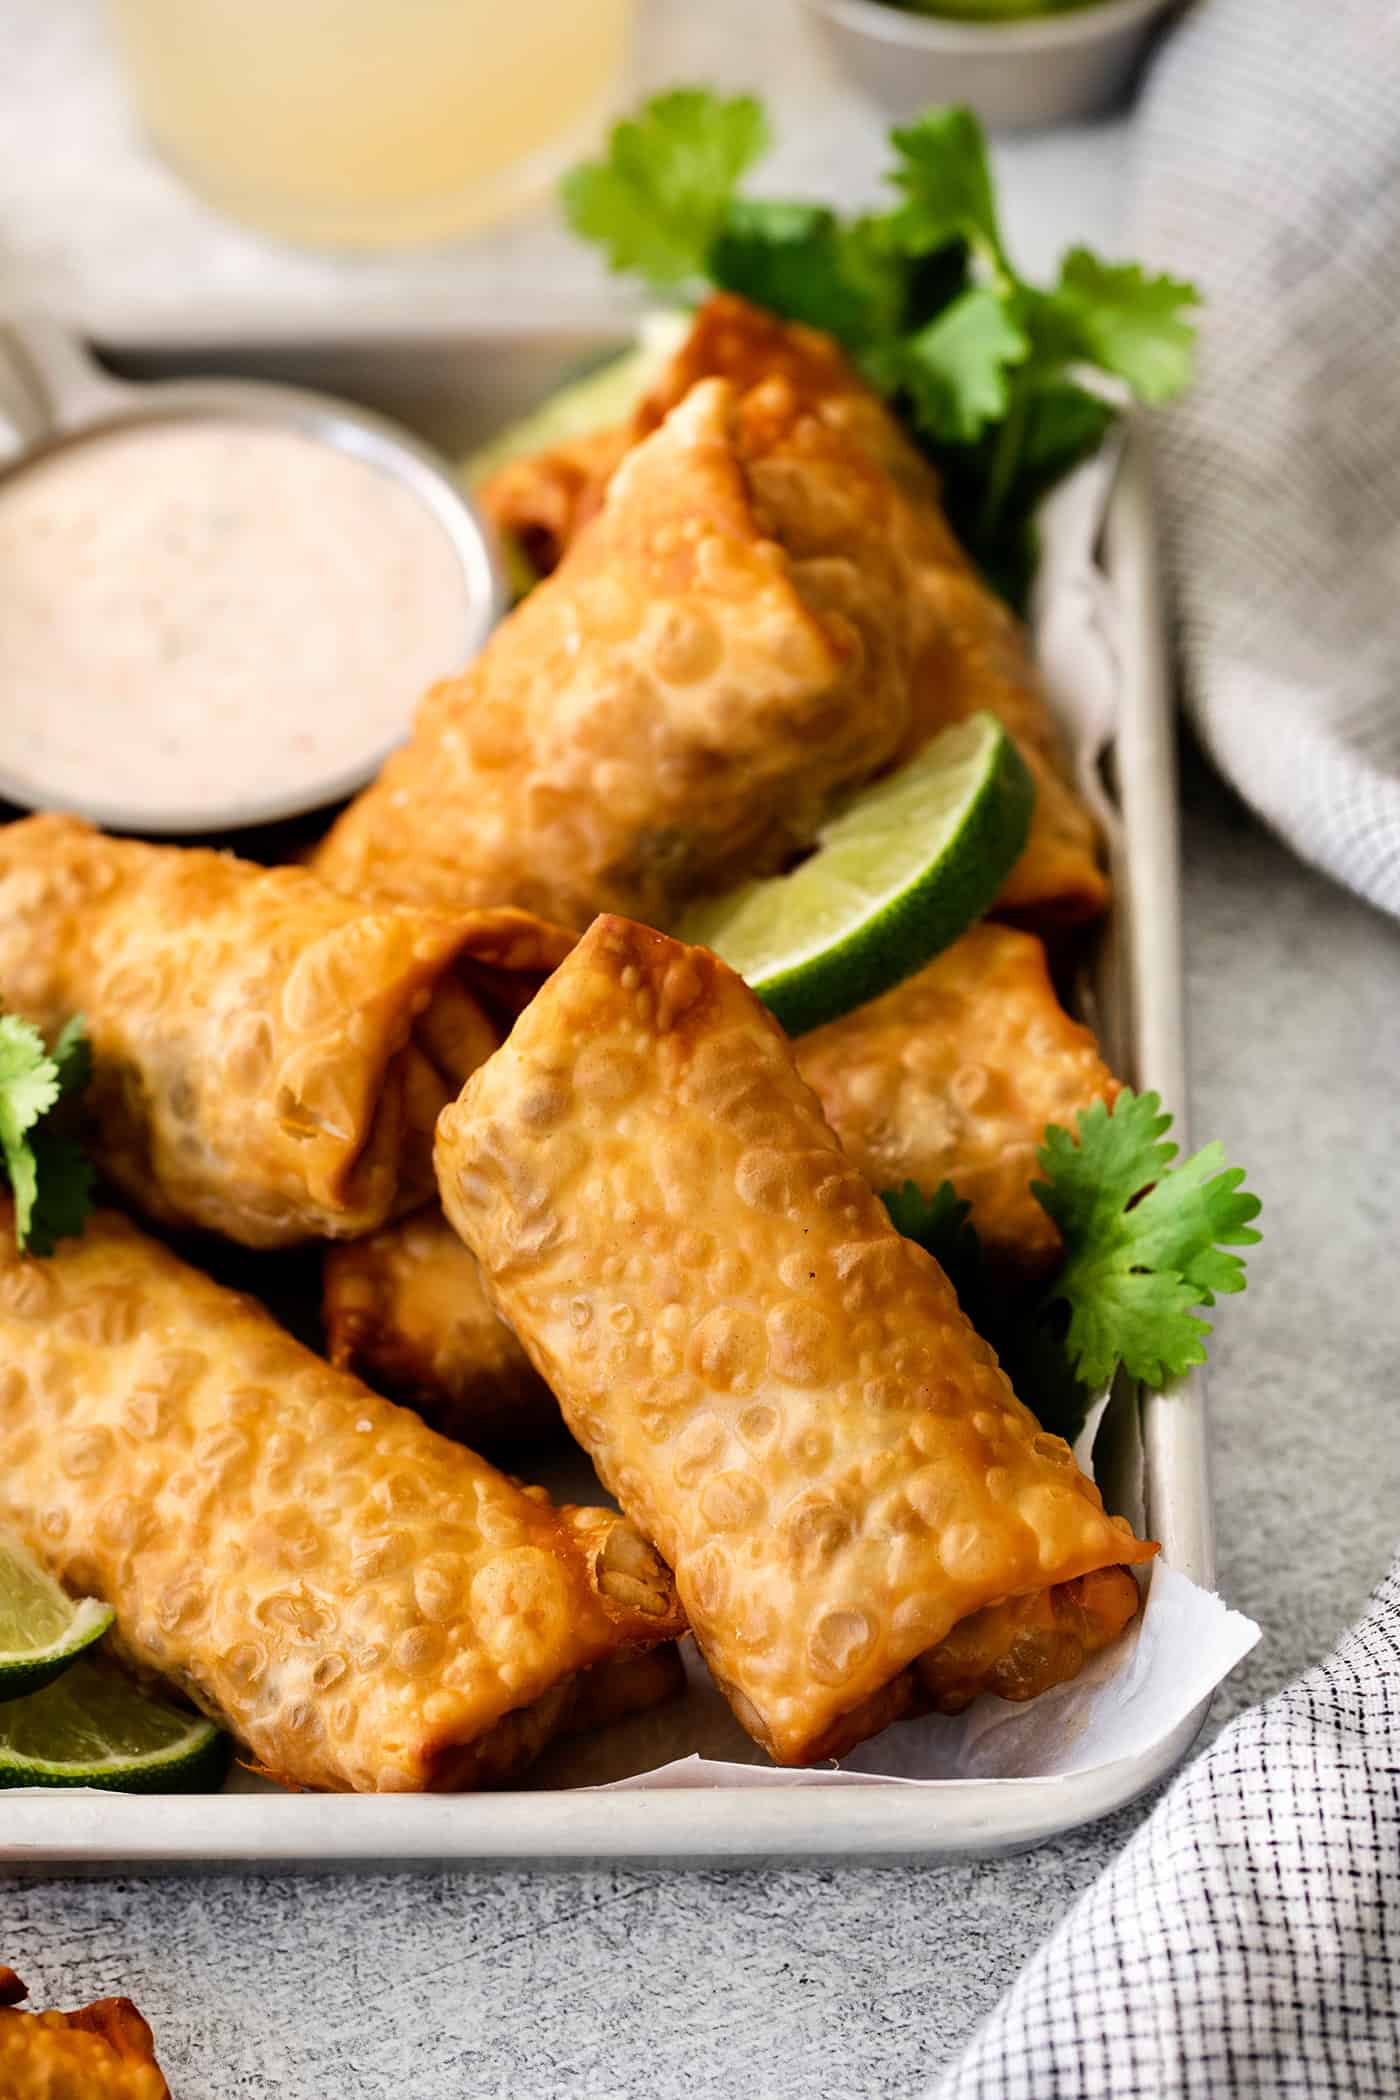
(803, 263)
(61, 1194)
(1117, 317)
(1146, 1245)
(72, 1057)
(1145, 1242)
(28, 1078)
(943, 171)
(985, 369)
(49, 1179)
(939, 1223)
(657, 200)
(956, 369)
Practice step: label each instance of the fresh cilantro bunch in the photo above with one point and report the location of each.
(50, 1180)
(1007, 385)
(1146, 1245)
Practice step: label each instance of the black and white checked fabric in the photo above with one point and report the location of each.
(1269, 173)
(1246, 1944)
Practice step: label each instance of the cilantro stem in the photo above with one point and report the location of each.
(1004, 460)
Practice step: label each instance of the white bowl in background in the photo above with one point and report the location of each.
(1048, 69)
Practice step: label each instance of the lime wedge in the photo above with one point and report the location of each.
(42, 1628)
(94, 1727)
(905, 868)
(600, 399)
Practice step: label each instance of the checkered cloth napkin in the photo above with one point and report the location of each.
(1246, 1943)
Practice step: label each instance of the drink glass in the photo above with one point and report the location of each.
(371, 123)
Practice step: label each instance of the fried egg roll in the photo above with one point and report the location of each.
(269, 1057)
(104, 2051)
(365, 1605)
(724, 648)
(970, 651)
(781, 1391)
(406, 1309)
(953, 1076)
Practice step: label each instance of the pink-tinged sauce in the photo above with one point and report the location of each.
(195, 614)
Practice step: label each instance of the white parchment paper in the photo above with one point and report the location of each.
(1126, 1702)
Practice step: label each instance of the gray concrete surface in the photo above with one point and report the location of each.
(785, 1983)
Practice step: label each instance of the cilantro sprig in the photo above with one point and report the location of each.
(1147, 1243)
(1007, 384)
(50, 1179)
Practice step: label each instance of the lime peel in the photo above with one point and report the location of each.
(94, 1728)
(894, 879)
(42, 1628)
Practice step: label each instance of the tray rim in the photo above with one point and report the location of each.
(882, 1821)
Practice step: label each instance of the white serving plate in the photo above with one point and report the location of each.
(456, 385)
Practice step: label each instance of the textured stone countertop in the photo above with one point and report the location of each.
(786, 1982)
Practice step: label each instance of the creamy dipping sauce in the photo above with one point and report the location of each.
(199, 614)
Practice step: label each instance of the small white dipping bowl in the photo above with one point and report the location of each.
(54, 400)
(1048, 69)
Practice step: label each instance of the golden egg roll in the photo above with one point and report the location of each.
(970, 651)
(104, 2051)
(269, 1057)
(406, 1310)
(724, 648)
(780, 1390)
(953, 1076)
(364, 1604)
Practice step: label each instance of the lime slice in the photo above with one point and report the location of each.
(600, 399)
(42, 1628)
(94, 1727)
(905, 868)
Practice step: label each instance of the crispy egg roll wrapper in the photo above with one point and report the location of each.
(544, 500)
(406, 1310)
(269, 1057)
(778, 1388)
(364, 1604)
(1021, 1647)
(104, 2051)
(970, 650)
(953, 1076)
(724, 648)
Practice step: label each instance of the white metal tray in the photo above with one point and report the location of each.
(456, 385)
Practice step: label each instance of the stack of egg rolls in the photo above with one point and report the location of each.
(545, 776)
(952, 1076)
(779, 1389)
(270, 1057)
(365, 1605)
